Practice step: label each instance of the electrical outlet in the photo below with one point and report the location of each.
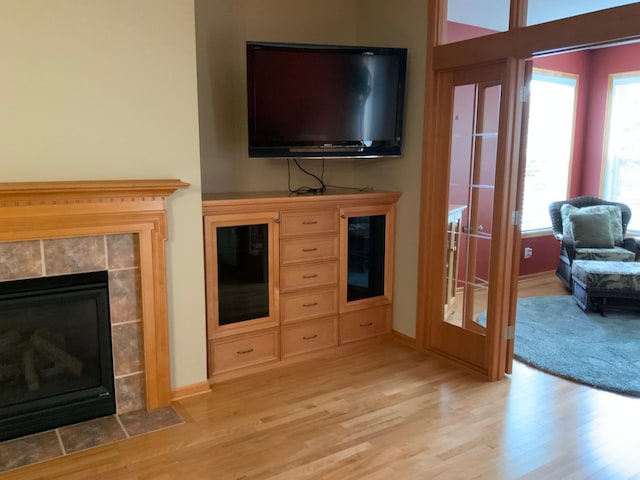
(528, 252)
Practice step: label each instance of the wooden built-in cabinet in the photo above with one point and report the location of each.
(289, 275)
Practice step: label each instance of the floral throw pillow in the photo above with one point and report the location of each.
(565, 211)
(615, 219)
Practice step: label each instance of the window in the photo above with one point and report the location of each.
(549, 146)
(540, 11)
(475, 19)
(622, 161)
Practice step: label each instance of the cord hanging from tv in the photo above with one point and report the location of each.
(322, 188)
(306, 190)
(321, 101)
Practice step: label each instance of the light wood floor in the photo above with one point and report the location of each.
(541, 285)
(533, 286)
(380, 411)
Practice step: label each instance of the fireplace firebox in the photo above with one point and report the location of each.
(56, 364)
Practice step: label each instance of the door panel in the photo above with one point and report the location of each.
(524, 130)
(475, 127)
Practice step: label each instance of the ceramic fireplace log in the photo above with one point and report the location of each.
(56, 355)
(52, 371)
(9, 339)
(29, 370)
(9, 371)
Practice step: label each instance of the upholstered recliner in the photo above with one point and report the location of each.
(590, 228)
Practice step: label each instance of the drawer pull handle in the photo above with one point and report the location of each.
(309, 222)
(366, 324)
(310, 304)
(314, 249)
(242, 352)
(310, 337)
(311, 275)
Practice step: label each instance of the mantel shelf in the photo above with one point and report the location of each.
(87, 190)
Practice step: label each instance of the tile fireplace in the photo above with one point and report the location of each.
(110, 229)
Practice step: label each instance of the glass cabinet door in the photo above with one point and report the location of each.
(365, 257)
(243, 273)
(240, 274)
(367, 250)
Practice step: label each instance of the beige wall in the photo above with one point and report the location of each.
(223, 27)
(106, 89)
(403, 24)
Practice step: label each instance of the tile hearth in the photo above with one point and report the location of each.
(51, 444)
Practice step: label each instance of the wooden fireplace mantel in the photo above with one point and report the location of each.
(88, 189)
(44, 210)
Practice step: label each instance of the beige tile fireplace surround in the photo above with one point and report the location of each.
(54, 228)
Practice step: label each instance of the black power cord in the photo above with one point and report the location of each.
(306, 190)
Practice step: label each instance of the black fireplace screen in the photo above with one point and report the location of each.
(55, 352)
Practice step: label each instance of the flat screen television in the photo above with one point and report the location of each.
(325, 101)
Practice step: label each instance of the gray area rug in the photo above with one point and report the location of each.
(555, 335)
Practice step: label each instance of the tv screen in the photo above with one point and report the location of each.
(325, 101)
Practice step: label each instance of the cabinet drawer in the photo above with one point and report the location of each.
(309, 336)
(307, 305)
(308, 223)
(365, 323)
(243, 350)
(295, 250)
(307, 275)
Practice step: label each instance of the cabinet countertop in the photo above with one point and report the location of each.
(284, 197)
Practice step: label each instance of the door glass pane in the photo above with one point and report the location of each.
(365, 257)
(475, 19)
(540, 11)
(472, 174)
(243, 273)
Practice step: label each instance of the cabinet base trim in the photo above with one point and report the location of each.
(330, 352)
(405, 339)
(188, 391)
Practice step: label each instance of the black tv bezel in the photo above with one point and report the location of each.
(339, 149)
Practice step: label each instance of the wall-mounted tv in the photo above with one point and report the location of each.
(325, 101)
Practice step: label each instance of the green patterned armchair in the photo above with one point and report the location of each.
(589, 228)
